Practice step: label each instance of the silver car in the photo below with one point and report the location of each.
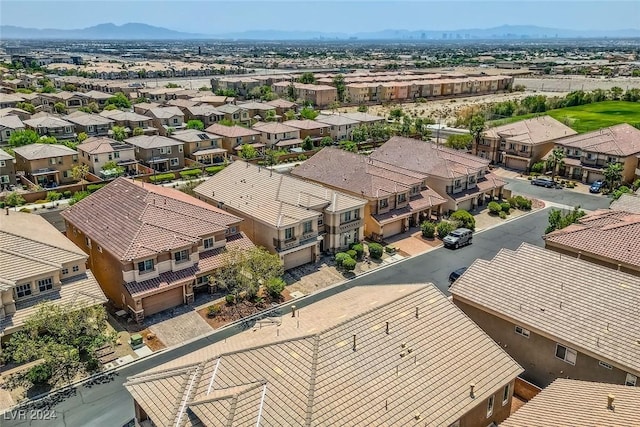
(457, 238)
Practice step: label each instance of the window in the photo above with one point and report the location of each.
(202, 280)
(181, 256)
(174, 162)
(512, 146)
(320, 222)
(631, 380)
(145, 266)
(65, 271)
(490, 406)
(110, 157)
(415, 190)
(307, 227)
(356, 213)
(288, 233)
(116, 155)
(180, 148)
(52, 160)
(384, 203)
(45, 284)
(402, 198)
(2, 163)
(346, 217)
(165, 150)
(208, 243)
(505, 395)
(23, 290)
(175, 121)
(567, 354)
(522, 331)
(4, 179)
(75, 268)
(457, 184)
(87, 241)
(231, 230)
(604, 365)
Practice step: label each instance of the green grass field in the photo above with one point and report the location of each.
(585, 118)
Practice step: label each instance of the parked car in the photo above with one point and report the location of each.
(455, 274)
(543, 182)
(457, 238)
(596, 186)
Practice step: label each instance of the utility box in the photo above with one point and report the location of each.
(136, 341)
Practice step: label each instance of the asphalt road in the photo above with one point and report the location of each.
(558, 195)
(110, 405)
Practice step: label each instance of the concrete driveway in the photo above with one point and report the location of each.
(562, 196)
(181, 328)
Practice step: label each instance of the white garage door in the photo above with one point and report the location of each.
(162, 301)
(392, 229)
(298, 258)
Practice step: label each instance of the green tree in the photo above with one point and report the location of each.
(14, 199)
(307, 144)
(396, 114)
(110, 107)
(558, 220)
(349, 146)
(616, 92)
(120, 101)
(81, 137)
(79, 173)
(459, 142)
(48, 88)
(248, 152)
(195, 124)
(291, 92)
(26, 106)
(444, 228)
(226, 122)
(60, 108)
(620, 191)
(613, 174)
(360, 133)
(326, 141)
(119, 133)
(113, 166)
(274, 287)
(308, 113)
(476, 127)
(555, 161)
(93, 107)
(23, 137)
(341, 87)
(465, 219)
(270, 116)
(138, 131)
(289, 115)
(172, 86)
(307, 78)
(363, 108)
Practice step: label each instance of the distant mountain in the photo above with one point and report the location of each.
(136, 31)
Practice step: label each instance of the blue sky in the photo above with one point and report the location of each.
(215, 17)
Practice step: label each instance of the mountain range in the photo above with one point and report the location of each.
(137, 31)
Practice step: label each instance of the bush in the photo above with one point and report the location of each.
(230, 299)
(66, 194)
(494, 208)
(506, 207)
(162, 177)
(530, 178)
(444, 228)
(40, 202)
(1, 205)
(92, 188)
(349, 264)
(79, 195)
(275, 286)
(522, 203)
(353, 254)
(213, 310)
(191, 173)
(52, 196)
(359, 250)
(503, 215)
(428, 229)
(40, 374)
(537, 168)
(636, 185)
(340, 257)
(212, 170)
(375, 250)
(14, 199)
(465, 219)
(25, 210)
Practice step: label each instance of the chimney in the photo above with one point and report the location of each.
(354, 342)
(472, 387)
(293, 311)
(610, 404)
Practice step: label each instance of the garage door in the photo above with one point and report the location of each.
(298, 258)
(392, 229)
(162, 301)
(516, 164)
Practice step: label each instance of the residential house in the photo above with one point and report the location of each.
(463, 179)
(310, 128)
(557, 316)
(7, 170)
(274, 134)
(568, 402)
(235, 114)
(364, 118)
(52, 126)
(405, 350)
(100, 98)
(46, 164)
(201, 146)
(9, 100)
(21, 114)
(213, 100)
(235, 136)
(257, 111)
(144, 107)
(207, 114)
(71, 100)
(606, 237)
(241, 86)
(8, 125)
(341, 126)
(291, 217)
(131, 121)
(182, 104)
(90, 124)
(39, 265)
(96, 151)
(160, 153)
(282, 106)
(588, 154)
(396, 198)
(521, 144)
(167, 119)
(151, 247)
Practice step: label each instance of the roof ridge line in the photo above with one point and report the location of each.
(43, 243)
(30, 258)
(312, 381)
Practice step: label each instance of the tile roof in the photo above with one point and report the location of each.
(4, 155)
(306, 124)
(132, 220)
(12, 111)
(11, 122)
(428, 158)
(85, 119)
(204, 110)
(610, 234)
(281, 103)
(193, 135)
(228, 108)
(255, 106)
(336, 120)
(363, 117)
(231, 131)
(43, 151)
(214, 99)
(583, 305)
(385, 380)
(152, 141)
(124, 116)
(274, 127)
(98, 95)
(620, 140)
(627, 203)
(101, 145)
(165, 112)
(47, 122)
(537, 130)
(572, 403)
(276, 199)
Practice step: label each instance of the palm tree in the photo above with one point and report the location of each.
(555, 161)
(79, 173)
(613, 174)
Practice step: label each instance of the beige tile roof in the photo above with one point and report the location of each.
(611, 234)
(627, 203)
(274, 127)
(572, 403)
(336, 120)
(580, 304)
(165, 112)
(273, 198)
(131, 220)
(204, 110)
(100, 145)
(85, 119)
(193, 135)
(12, 111)
(281, 103)
(620, 140)
(231, 131)
(47, 122)
(43, 151)
(363, 117)
(306, 124)
(4, 155)
(255, 106)
(324, 381)
(537, 130)
(124, 116)
(11, 122)
(152, 141)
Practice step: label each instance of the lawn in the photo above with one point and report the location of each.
(585, 118)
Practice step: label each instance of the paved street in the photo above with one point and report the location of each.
(561, 196)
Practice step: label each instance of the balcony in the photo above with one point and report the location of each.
(350, 225)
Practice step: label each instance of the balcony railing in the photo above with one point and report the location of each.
(354, 223)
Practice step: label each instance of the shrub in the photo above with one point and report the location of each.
(506, 207)
(359, 250)
(636, 184)
(537, 167)
(340, 257)
(40, 202)
(92, 188)
(162, 177)
(375, 250)
(1, 205)
(191, 173)
(494, 208)
(353, 254)
(522, 203)
(230, 299)
(530, 178)
(465, 219)
(275, 286)
(66, 194)
(428, 229)
(212, 170)
(349, 264)
(25, 210)
(14, 199)
(52, 196)
(503, 215)
(40, 374)
(444, 228)
(213, 310)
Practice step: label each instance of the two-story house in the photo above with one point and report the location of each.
(463, 179)
(236, 136)
(341, 126)
(151, 247)
(397, 198)
(90, 124)
(167, 119)
(158, 152)
(257, 111)
(39, 265)
(310, 128)
(7, 170)
(588, 154)
(131, 121)
(520, 145)
(274, 134)
(20, 113)
(282, 106)
(207, 114)
(100, 98)
(291, 217)
(8, 125)
(235, 114)
(71, 100)
(95, 152)
(46, 164)
(201, 146)
(557, 316)
(52, 126)
(364, 118)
